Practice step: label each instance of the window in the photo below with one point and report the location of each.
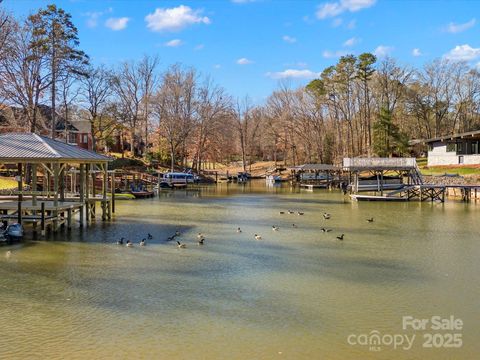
(460, 159)
(85, 139)
(475, 147)
(451, 147)
(72, 138)
(461, 148)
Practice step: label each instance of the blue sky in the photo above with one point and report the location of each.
(248, 46)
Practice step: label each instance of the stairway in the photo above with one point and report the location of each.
(416, 175)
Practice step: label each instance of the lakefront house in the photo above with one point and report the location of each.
(457, 149)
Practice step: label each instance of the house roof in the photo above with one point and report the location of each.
(83, 126)
(61, 127)
(468, 134)
(28, 147)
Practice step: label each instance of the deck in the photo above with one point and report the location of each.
(48, 214)
(377, 198)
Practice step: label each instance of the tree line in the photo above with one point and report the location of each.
(360, 106)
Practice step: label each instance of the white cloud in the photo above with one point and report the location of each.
(350, 42)
(293, 74)
(92, 20)
(199, 47)
(331, 9)
(289, 39)
(382, 51)
(117, 23)
(334, 54)
(94, 16)
(456, 28)
(463, 53)
(244, 61)
(416, 52)
(174, 19)
(174, 43)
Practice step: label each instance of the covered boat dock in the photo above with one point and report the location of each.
(375, 172)
(47, 203)
(312, 176)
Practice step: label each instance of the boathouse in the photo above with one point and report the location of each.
(53, 162)
(455, 149)
(379, 174)
(312, 176)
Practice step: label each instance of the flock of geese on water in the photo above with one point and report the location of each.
(201, 237)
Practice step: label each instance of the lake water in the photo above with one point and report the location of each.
(298, 293)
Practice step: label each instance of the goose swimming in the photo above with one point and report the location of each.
(180, 245)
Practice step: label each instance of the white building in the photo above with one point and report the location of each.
(458, 149)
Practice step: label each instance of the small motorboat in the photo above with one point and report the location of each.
(2, 234)
(14, 232)
(142, 194)
(140, 191)
(273, 178)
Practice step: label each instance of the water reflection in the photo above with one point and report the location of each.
(298, 291)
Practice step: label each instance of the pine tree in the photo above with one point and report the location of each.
(388, 140)
(56, 37)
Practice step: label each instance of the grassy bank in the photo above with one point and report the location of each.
(461, 170)
(7, 183)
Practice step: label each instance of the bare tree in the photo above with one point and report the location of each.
(7, 28)
(23, 78)
(174, 106)
(68, 94)
(128, 89)
(213, 106)
(147, 71)
(96, 91)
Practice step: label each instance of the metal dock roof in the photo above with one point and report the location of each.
(28, 147)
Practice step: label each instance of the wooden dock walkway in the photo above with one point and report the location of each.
(45, 213)
(422, 192)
